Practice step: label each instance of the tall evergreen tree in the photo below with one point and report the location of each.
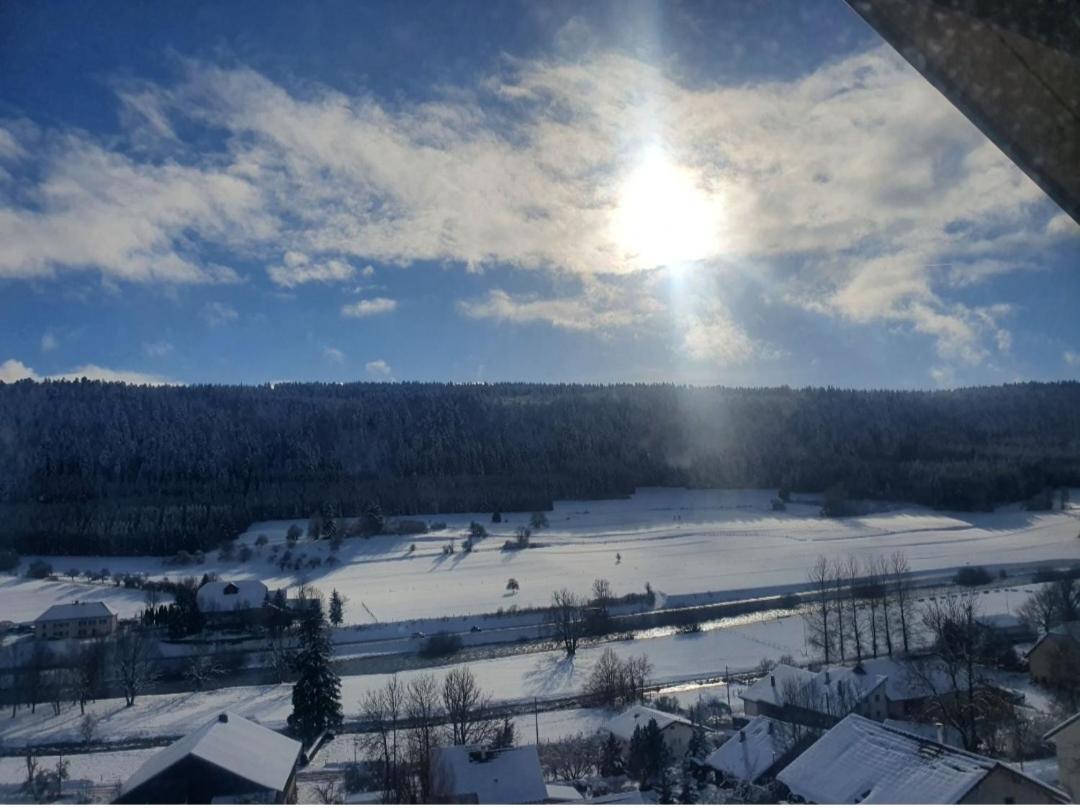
(337, 608)
(317, 693)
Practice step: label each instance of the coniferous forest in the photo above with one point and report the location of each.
(92, 467)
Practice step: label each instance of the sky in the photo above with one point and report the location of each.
(736, 193)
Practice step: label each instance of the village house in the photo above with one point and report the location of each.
(1066, 740)
(75, 621)
(1054, 660)
(232, 602)
(757, 751)
(478, 776)
(228, 759)
(674, 729)
(863, 761)
(819, 699)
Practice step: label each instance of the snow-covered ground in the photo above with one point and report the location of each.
(682, 542)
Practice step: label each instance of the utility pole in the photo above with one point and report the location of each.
(727, 684)
(536, 718)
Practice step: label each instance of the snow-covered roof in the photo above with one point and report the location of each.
(233, 743)
(861, 761)
(841, 685)
(753, 750)
(225, 596)
(560, 793)
(509, 776)
(1049, 734)
(623, 725)
(75, 611)
(771, 689)
(911, 679)
(618, 798)
(928, 731)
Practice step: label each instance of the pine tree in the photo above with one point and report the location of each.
(317, 692)
(337, 608)
(611, 762)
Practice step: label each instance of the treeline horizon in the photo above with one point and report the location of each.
(103, 468)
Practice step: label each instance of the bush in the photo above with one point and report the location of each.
(496, 517)
(39, 569)
(973, 576)
(692, 627)
(477, 530)
(538, 520)
(440, 645)
(245, 553)
(9, 560)
(790, 601)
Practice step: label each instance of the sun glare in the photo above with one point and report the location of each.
(663, 217)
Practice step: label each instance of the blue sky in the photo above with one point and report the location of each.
(714, 193)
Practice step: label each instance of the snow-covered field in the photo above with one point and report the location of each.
(682, 542)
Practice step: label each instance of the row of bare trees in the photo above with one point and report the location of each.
(80, 673)
(861, 608)
(410, 720)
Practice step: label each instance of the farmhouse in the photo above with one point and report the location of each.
(1066, 740)
(475, 775)
(862, 761)
(1055, 658)
(674, 729)
(224, 602)
(757, 751)
(75, 620)
(229, 758)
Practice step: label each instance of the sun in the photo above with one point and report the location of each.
(662, 215)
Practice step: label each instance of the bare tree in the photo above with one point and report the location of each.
(948, 676)
(901, 586)
(838, 580)
(601, 592)
(817, 619)
(278, 655)
(566, 613)
(201, 670)
(854, 602)
(90, 660)
(424, 713)
(135, 661)
(571, 757)
(1040, 611)
(466, 708)
(383, 709)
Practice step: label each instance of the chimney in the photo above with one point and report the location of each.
(940, 732)
(742, 736)
(223, 718)
(772, 681)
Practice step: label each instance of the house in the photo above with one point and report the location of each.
(913, 684)
(228, 759)
(232, 602)
(863, 761)
(817, 699)
(1007, 627)
(476, 775)
(675, 729)
(1066, 740)
(75, 620)
(1055, 658)
(757, 751)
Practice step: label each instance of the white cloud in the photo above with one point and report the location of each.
(98, 373)
(1071, 358)
(49, 341)
(883, 195)
(368, 271)
(297, 269)
(157, 349)
(378, 367)
(333, 354)
(943, 376)
(369, 308)
(12, 370)
(216, 313)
